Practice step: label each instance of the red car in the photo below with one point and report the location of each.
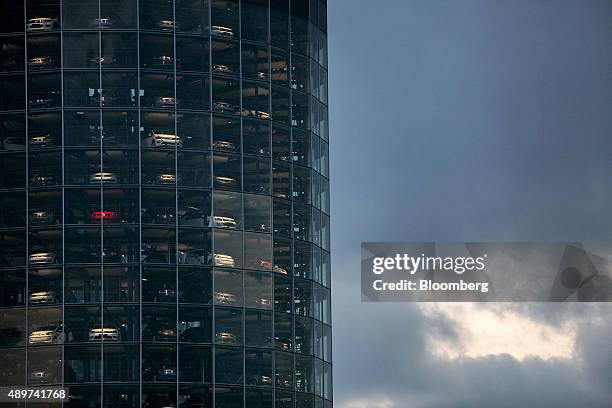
(107, 216)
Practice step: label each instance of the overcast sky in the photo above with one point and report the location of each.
(469, 120)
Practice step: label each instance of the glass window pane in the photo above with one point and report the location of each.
(226, 134)
(256, 137)
(191, 16)
(228, 287)
(258, 290)
(228, 327)
(258, 328)
(254, 16)
(257, 251)
(255, 64)
(225, 16)
(257, 213)
(256, 175)
(228, 249)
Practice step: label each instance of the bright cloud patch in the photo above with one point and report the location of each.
(493, 330)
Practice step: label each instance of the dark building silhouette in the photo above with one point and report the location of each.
(164, 202)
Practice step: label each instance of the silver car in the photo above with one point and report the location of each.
(103, 177)
(41, 24)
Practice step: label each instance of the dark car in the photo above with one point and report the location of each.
(10, 336)
(40, 180)
(194, 402)
(48, 100)
(41, 62)
(13, 143)
(159, 400)
(165, 294)
(42, 217)
(195, 335)
(40, 141)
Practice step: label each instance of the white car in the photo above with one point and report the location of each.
(164, 102)
(165, 178)
(222, 69)
(225, 337)
(102, 177)
(40, 62)
(224, 298)
(222, 30)
(223, 260)
(43, 297)
(166, 25)
(104, 22)
(49, 334)
(255, 113)
(104, 333)
(226, 181)
(159, 139)
(41, 141)
(41, 24)
(224, 145)
(42, 257)
(226, 222)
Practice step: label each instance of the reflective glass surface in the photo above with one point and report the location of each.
(164, 202)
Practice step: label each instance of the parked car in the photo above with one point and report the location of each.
(166, 374)
(41, 62)
(226, 181)
(40, 141)
(193, 257)
(224, 145)
(167, 333)
(44, 296)
(192, 216)
(254, 113)
(226, 107)
(260, 380)
(40, 180)
(40, 256)
(165, 294)
(103, 61)
(165, 178)
(160, 139)
(104, 333)
(13, 143)
(102, 177)
(10, 336)
(40, 376)
(224, 298)
(280, 270)
(105, 22)
(49, 334)
(41, 24)
(223, 260)
(161, 216)
(166, 25)
(226, 222)
(227, 337)
(222, 30)
(195, 335)
(48, 100)
(165, 62)
(42, 217)
(222, 69)
(165, 102)
(106, 216)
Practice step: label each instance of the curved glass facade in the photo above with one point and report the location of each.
(164, 202)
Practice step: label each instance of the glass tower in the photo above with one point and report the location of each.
(164, 202)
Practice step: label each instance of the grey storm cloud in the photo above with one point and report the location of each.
(467, 120)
